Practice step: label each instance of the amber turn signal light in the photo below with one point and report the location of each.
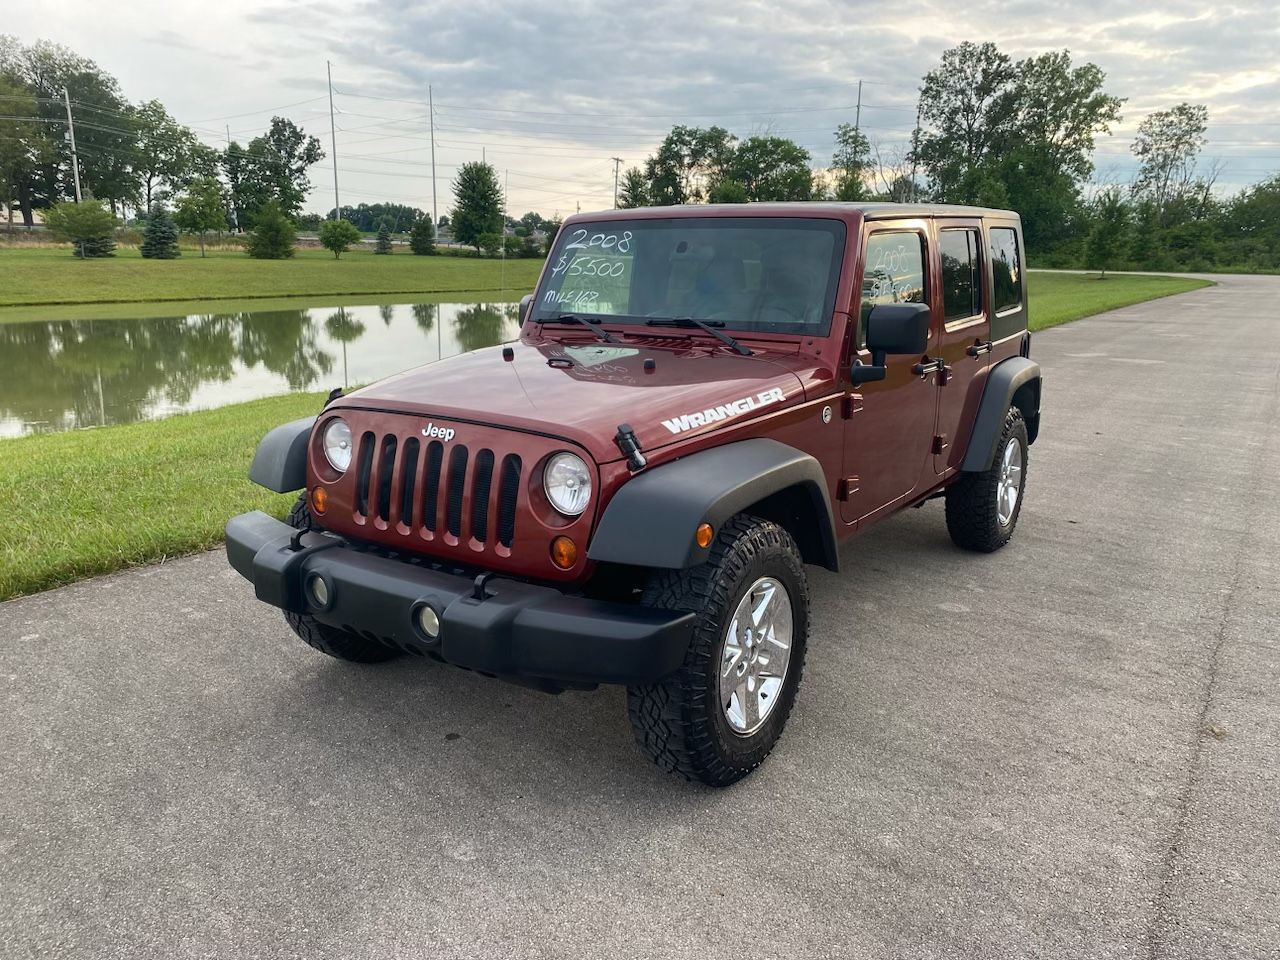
(704, 534)
(319, 499)
(564, 552)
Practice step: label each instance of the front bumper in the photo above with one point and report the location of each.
(507, 628)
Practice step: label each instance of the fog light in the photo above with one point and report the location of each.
(704, 534)
(428, 621)
(564, 552)
(319, 591)
(319, 499)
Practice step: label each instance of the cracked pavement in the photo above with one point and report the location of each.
(1066, 749)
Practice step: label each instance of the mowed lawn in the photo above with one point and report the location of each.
(54, 276)
(91, 501)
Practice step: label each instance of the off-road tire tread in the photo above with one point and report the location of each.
(668, 717)
(972, 515)
(336, 643)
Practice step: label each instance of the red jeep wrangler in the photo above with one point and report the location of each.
(702, 400)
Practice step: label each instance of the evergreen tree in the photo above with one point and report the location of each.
(383, 244)
(272, 235)
(477, 203)
(160, 237)
(422, 238)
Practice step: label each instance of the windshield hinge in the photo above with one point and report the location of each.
(630, 447)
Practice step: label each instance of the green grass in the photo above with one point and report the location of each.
(1055, 298)
(91, 501)
(53, 276)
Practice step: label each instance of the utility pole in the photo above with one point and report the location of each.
(333, 142)
(915, 150)
(617, 162)
(431, 107)
(235, 217)
(857, 117)
(71, 128)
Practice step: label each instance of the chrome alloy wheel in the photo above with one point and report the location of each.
(754, 658)
(1010, 485)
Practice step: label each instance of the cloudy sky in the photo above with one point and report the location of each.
(551, 92)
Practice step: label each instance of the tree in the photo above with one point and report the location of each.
(24, 145)
(201, 208)
(489, 243)
(727, 191)
(1167, 145)
(687, 162)
(1109, 235)
(851, 164)
(422, 238)
(273, 167)
(163, 149)
(88, 225)
(634, 190)
(160, 237)
(477, 206)
(383, 244)
(338, 235)
(272, 235)
(771, 168)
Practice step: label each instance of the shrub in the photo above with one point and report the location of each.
(272, 235)
(422, 238)
(160, 237)
(383, 244)
(489, 243)
(89, 226)
(337, 235)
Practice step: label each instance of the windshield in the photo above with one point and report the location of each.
(756, 274)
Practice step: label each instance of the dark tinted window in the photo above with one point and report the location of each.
(768, 275)
(1006, 269)
(893, 273)
(961, 275)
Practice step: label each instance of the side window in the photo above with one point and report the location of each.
(893, 272)
(1006, 269)
(961, 274)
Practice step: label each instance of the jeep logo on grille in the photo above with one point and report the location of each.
(441, 433)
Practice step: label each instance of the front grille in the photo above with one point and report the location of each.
(437, 493)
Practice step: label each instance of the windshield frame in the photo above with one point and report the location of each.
(836, 227)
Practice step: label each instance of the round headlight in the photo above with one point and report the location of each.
(336, 440)
(568, 483)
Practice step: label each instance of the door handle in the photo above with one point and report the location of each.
(928, 366)
(978, 347)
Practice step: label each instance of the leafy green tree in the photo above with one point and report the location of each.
(89, 226)
(383, 243)
(489, 244)
(727, 191)
(1167, 145)
(163, 148)
(160, 237)
(851, 164)
(477, 206)
(1109, 235)
(338, 235)
(201, 208)
(772, 168)
(634, 190)
(272, 235)
(272, 168)
(23, 141)
(422, 238)
(687, 162)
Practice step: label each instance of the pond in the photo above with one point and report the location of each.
(70, 374)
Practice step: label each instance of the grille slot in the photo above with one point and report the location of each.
(385, 473)
(456, 490)
(480, 489)
(408, 480)
(431, 488)
(363, 468)
(508, 494)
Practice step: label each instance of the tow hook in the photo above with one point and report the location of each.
(630, 447)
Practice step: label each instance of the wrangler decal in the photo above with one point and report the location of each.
(724, 411)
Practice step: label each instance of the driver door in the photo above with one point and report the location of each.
(889, 425)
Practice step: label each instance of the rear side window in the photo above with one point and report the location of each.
(961, 274)
(893, 272)
(1006, 269)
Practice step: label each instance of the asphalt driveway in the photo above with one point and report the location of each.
(1067, 749)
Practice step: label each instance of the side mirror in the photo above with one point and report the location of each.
(898, 328)
(525, 302)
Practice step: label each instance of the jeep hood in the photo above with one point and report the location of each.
(581, 390)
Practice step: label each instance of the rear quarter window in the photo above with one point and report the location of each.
(1006, 283)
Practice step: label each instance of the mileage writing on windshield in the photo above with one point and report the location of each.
(591, 263)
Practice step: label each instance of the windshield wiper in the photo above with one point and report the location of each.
(708, 326)
(593, 325)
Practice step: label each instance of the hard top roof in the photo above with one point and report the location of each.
(870, 211)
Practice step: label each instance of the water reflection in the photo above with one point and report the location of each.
(66, 374)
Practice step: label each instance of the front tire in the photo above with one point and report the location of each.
(983, 508)
(718, 716)
(338, 644)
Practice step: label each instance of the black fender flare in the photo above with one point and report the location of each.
(280, 462)
(1005, 380)
(651, 520)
